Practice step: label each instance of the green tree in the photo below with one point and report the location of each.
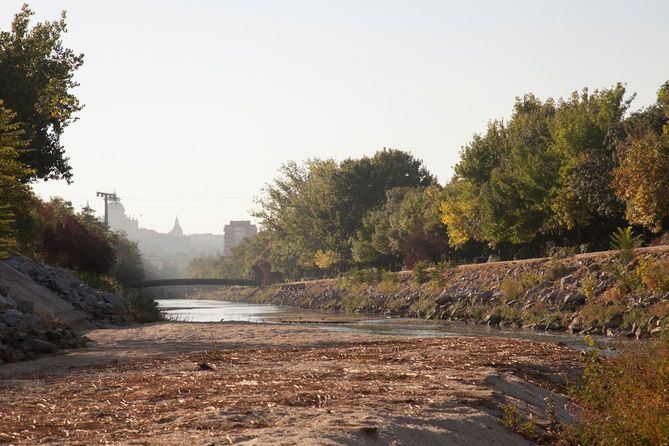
(129, 266)
(12, 171)
(36, 79)
(319, 206)
(584, 134)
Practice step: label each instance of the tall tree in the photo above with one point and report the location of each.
(12, 171)
(36, 80)
(318, 207)
(641, 180)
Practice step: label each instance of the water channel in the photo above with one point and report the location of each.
(192, 310)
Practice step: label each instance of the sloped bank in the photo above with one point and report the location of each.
(580, 294)
(45, 308)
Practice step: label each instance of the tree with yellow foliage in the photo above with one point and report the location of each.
(641, 180)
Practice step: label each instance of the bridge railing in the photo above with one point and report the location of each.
(191, 282)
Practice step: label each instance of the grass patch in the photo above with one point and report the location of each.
(515, 287)
(388, 284)
(555, 270)
(599, 313)
(424, 305)
(355, 302)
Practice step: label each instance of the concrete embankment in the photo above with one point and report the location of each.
(45, 308)
(581, 294)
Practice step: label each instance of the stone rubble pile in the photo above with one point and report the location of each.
(26, 333)
(23, 335)
(103, 308)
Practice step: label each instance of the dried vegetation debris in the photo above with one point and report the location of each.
(247, 391)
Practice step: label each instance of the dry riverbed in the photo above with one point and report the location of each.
(233, 383)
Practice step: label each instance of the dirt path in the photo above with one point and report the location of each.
(272, 384)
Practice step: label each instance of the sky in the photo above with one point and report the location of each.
(192, 106)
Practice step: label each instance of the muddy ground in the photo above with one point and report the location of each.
(232, 383)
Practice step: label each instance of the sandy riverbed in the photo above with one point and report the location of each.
(273, 384)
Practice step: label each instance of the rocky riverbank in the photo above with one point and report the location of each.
(45, 308)
(581, 294)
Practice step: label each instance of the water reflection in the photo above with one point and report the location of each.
(216, 311)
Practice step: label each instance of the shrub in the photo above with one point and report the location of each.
(439, 271)
(355, 302)
(654, 275)
(624, 398)
(624, 241)
(100, 282)
(420, 273)
(589, 286)
(142, 308)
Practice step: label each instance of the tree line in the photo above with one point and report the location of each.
(36, 106)
(557, 175)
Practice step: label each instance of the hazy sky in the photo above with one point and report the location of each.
(191, 106)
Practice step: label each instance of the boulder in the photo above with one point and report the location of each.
(614, 321)
(575, 325)
(36, 345)
(13, 317)
(5, 303)
(492, 319)
(572, 301)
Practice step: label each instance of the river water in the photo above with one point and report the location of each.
(192, 310)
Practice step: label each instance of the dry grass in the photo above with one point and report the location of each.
(253, 389)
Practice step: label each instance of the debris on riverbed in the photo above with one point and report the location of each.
(320, 386)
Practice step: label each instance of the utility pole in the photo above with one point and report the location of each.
(107, 197)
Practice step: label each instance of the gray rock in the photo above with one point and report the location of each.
(5, 303)
(484, 295)
(566, 280)
(614, 321)
(572, 301)
(25, 306)
(492, 319)
(113, 299)
(576, 325)
(13, 317)
(38, 346)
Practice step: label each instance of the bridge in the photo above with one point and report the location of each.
(191, 282)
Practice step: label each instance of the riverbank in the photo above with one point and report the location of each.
(45, 308)
(238, 383)
(579, 294)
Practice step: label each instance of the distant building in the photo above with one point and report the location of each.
(165, 255)
(235, 232)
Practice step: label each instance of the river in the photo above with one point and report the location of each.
(192, 310)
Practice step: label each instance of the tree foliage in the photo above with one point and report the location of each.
(312, 212)
(557, 172)
(641, 180)
(12, 171)
(36, 79)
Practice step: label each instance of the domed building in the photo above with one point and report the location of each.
(176, 230)
(165, 255)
